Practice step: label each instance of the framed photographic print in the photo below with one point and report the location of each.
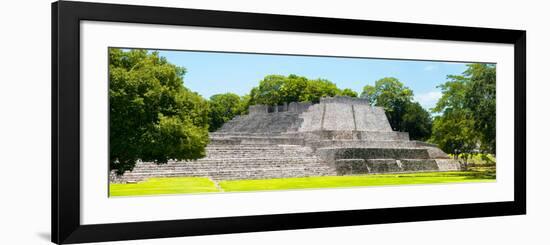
(177, 122)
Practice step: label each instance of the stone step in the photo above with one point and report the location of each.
(364, 166)
(236, 169)
(279, 146)
(255, 160)
(241, 151)
(272, 123)
(247, 175)
(228, 163)
(239, 162)
(254, 147)
(225, 166)
(236, 174)
(330, 154)
(236, 164)
(363, 144)
(230, 171)
(237, 154)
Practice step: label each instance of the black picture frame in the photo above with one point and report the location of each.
(66, 18)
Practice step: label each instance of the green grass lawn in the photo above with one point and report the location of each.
(353, 181)
(156, 186)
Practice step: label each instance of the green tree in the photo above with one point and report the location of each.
(393, 96)
(397, 100)
(481, 99)
(223, 107)
(417, 121)
(269, 91)
(474, 94)
(153, 117)
(454, 93)
(317, 89)
(277, 89)
(348, 92)
(454, 133)
(293, 88)
(387, 91)
(454, 129)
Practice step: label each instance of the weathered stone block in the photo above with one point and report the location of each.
(382, 165)
(299, 107)
(257, 109)
(351, 166)
(338, 117)
(419, 165)
(312, 119)
(381, 153)
(375, 135)
(437, 153)
(448, 165)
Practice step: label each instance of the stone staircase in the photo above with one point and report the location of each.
(272, 123)
(227, 162)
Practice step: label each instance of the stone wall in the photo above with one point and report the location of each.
(380, 153)
(257, 109)
(355, 135)
(360, 143)
(344, 100)
(312, 119)
(369, 166)
(338, 117)
(259, 122)
(344, 114)
(335, 114)
(299, 107)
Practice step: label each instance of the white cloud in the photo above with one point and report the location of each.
(429, 99)
(430, 67)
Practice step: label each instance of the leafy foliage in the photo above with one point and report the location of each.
(454, 133)
(467, 112)
(278, 89)
(397, 100)
(348, 92)
(481, 99)
(153, 117)
(223, 107)
(417, 121)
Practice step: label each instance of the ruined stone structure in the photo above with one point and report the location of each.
(338, 136)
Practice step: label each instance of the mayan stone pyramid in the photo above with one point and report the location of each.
(338, 136)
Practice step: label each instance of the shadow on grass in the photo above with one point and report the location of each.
(481, 175)
(484, 173)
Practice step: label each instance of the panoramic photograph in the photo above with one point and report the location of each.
(196, 122)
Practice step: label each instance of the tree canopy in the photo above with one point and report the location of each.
(467, 109)
(417, 121)
(481, 99)
(397, 100)
(153, 117)
(278, 89)
(348, 92)
(223, 107)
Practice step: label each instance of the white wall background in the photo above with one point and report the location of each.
(25, 121)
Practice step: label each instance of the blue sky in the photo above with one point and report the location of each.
(210, 73)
